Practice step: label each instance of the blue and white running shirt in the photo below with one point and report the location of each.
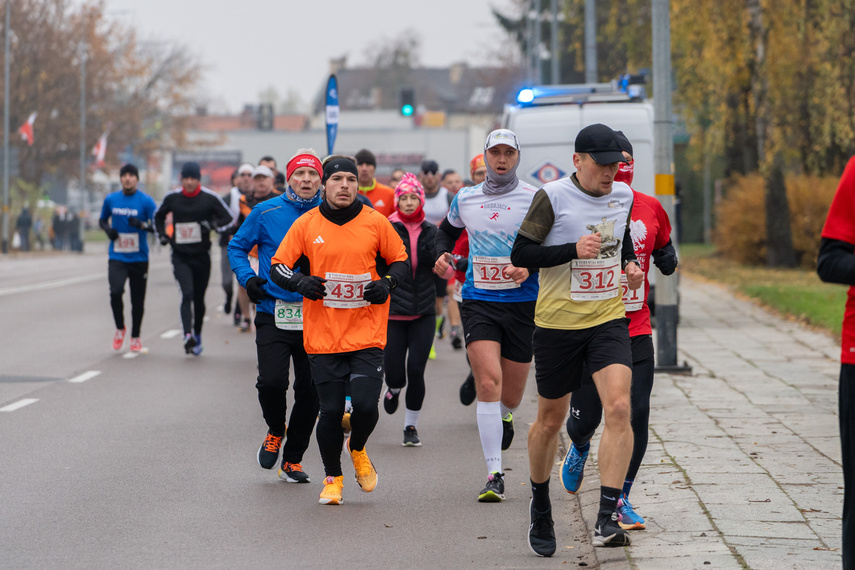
(492, 222)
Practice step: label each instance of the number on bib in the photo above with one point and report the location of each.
(188, 232)
(492, 272)
(127, 243)
(288, 316)
(344, 291)
(594, 279)
(632, 300)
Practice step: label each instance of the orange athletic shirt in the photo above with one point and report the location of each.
(350, 249)
(382, 198)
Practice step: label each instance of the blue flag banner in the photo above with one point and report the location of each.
(332, 112)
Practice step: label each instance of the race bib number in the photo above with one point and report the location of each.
(188, 232)
(492, 272)
(594, 279)
(344, 291)
(288, 316)
(127, 243)
(457, 295)
(632, 300)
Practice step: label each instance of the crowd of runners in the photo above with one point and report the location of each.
(354, 281)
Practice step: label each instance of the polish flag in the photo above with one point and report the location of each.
(100, 150)
(26, 130)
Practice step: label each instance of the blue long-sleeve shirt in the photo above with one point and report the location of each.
(118, 208)
(266, 226)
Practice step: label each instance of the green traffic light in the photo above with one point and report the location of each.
(407, 110)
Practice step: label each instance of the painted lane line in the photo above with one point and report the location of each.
(129, 355)
(85, 376)
(52, 284)
(171, 334)
(18, 405)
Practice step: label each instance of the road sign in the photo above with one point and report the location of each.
(547, 172)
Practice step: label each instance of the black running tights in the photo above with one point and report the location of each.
(586, 410)
(847, 441)
(407, 348)
(192, 273)
(364, 395)
(136, 274)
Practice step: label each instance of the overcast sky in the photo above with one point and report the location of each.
(250, 45)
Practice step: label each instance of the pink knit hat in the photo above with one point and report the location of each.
(409, 183)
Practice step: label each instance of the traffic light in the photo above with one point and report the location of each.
(407, 101)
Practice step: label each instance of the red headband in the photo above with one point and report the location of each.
(300, 161)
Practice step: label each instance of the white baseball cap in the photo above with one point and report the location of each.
(246, 167)
(502, 136)
(262, 170)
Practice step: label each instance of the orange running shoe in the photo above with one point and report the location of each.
(366, 474)
(331, 495)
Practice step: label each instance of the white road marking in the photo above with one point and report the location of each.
(85, 376)
(129, 355)
(171, 334)
(52, 284)
(18, 405)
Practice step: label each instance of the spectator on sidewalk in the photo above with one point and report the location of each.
(23, 226)
(836, 264)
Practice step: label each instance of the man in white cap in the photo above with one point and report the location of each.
(241, 185)
(498, 297)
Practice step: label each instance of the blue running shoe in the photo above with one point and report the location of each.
(197, 348)
(628, 519)
(573, 469)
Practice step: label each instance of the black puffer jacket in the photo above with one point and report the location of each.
(415, 296)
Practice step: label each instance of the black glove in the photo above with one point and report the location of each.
(164, 240)
(255, 289)
(113, 234)
(377, 292)
(135, 223)
(309, 286)
(460, 262)
(665, 259)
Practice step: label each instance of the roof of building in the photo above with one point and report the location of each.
(455, 89)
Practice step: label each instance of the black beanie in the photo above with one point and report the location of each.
(191, 170)
(129, 169)
(338, 165)
(365, 156)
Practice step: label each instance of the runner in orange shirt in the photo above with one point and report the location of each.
(382, 197)
(345, 313)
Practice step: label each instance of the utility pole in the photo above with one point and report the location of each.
(555, 76)
(529, 40)
(538, 62)
(590, 41)
(6, 127)
(667, 314)
(83, 190)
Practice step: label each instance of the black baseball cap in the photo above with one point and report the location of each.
(624, 143)
(365, 156)
(601, 142)
(430, 166)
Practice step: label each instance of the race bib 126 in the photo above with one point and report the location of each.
(492, 272)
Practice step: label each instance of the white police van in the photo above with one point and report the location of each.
(546, 120)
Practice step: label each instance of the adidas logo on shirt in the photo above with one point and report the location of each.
(380, 203)
(319, 239)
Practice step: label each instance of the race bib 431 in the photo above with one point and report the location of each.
(344, 291)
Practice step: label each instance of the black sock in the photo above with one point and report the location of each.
(540, 496)
(608, 499)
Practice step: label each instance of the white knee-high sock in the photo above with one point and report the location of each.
(506, 410)
(490, 428)
(411, 417)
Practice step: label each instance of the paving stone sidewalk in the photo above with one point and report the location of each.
(743, 465)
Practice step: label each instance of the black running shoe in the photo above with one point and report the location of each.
(268, 453)
(507, 431)
(390, 401)
(189, 343)
(456, 338)
(494, 490)
(227, 306)
(411, 437)
(467, 390)
(608, 532)
(541, 534)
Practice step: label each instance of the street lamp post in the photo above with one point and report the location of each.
(6, 127)
(84, 197)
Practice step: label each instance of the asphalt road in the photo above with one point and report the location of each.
(150, 463)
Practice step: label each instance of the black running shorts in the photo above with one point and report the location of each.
(509, 324)
(341, 366)
(562, 358)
